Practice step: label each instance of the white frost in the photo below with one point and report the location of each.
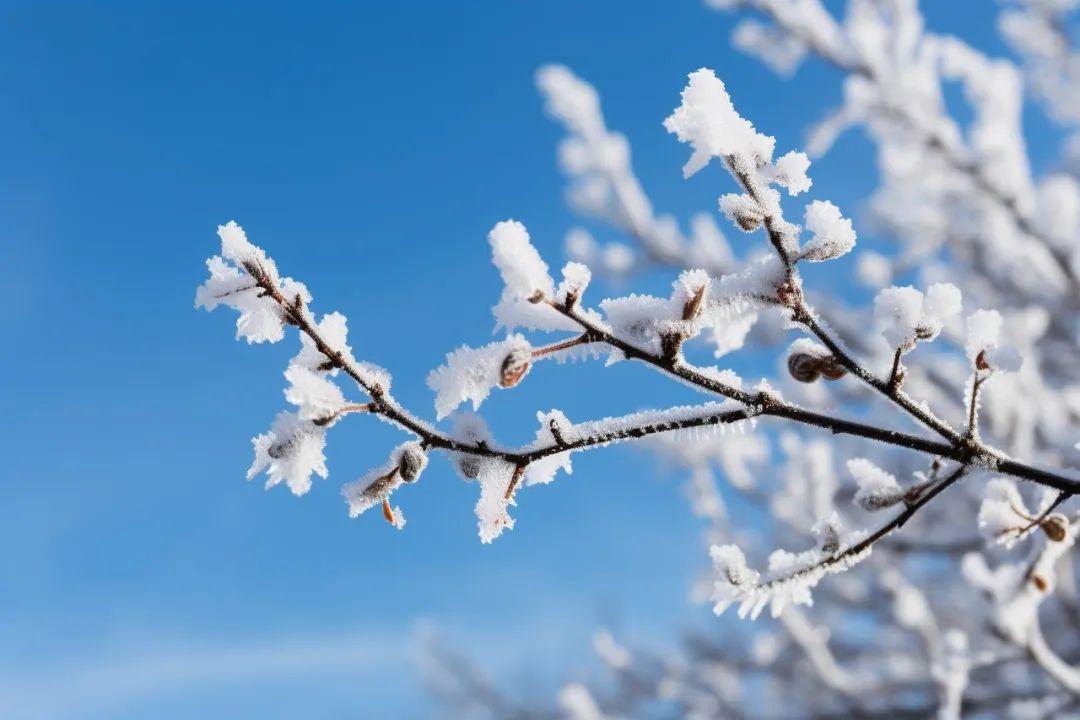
(877, 488)
(708, 121)
(471, 373)
(833, 235)
(290, 453)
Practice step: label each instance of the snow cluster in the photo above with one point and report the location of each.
(877, 488)
(231, 284)
(833, 235)
(290, 452)
(907, 316)
(492, 509)
(708, 122)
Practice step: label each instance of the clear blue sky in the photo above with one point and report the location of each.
(369, 149)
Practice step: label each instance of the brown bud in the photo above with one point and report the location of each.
(515, 367)
(1040, 582)
(412, 462)
(981, 363)
(807, 368)
(692, 308)
(804, 367)
(831, 369)
(1055, 527)
(387, 512)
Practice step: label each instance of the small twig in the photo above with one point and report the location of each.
(583, 339)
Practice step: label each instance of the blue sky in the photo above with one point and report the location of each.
(368, 149)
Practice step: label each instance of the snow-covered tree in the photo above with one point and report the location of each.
(915, 456)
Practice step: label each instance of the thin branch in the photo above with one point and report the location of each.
(854, 551)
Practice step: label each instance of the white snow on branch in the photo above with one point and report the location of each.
(231, 284)
(792, 576)
(878, 488)
(526, 279)
(708, 121)
(290, 452)
(833, 235)
(907, 316)
(472, 373)
(984, 346)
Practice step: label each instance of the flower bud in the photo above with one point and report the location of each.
(412, 462)
(1055, 527)
(803, 367)
(807, 368)
(692, 308)
(515, 367)
(831, 369)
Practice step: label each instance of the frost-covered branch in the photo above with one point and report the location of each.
(941, 391)
(880, 74)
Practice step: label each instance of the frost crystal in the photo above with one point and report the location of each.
(790, 171)
(492, 509)
(907, 316)
(554, 426)
(576, 278)
(290, 453)
(708, 121)
(833, 234)
(877, 488)
(334, 329)
(231, 284)
(793, 575)
(525, 275)
(315, 395)
(984, 347)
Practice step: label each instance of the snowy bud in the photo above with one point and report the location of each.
(830, 539)
(742, 210)
(692, 308)
(907, 316)
(576, 278)
(412, 461)
(984, 347)
(515, 367)
(803, 367)
(807, 368)
(471, 373)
